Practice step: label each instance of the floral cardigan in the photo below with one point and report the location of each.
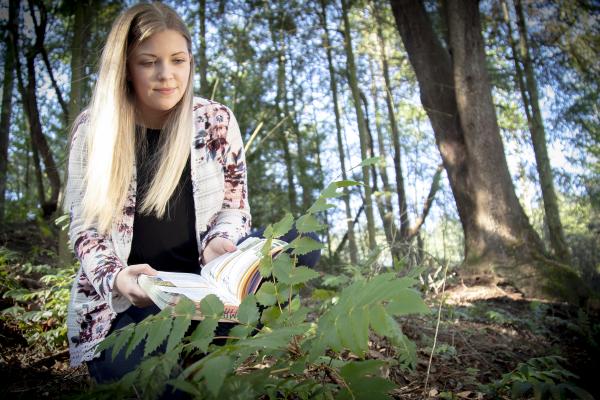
(221, 209)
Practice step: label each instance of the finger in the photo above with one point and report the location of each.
(229, 246)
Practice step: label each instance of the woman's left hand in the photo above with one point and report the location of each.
(216, 247)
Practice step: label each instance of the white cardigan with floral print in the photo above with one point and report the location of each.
(221, 209)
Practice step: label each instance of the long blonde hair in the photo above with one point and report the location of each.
(111, 126)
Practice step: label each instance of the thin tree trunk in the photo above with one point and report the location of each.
(338, 130)
(280, 99)
(456, 94)
(400, 190)
(538, 140)
(202, 59)
(7, 90)
(302, 161)
(38, 140)
(360, 120)
(386, 218)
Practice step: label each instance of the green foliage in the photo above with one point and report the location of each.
(40, 314)
(542, 377)
(285, 347)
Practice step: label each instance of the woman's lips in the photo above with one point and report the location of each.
(166, 91)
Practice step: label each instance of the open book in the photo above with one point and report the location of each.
(231, 277)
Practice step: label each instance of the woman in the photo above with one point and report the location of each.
(156, 177)
(157, 181)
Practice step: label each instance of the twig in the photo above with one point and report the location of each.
(48, 359)
(437, 326)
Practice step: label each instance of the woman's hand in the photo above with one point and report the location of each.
(126, 284)
(216, 247)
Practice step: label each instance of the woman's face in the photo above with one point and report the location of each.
(159, 69)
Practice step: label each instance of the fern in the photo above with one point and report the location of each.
(284, 347)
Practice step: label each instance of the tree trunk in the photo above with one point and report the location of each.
(280, 99)
(389, 227)
(302, 161)
(456, 94)
(202, 59)
(338, 130)
(400, 190)
(538, 140)
(38, 140)
(360, 120)
(7, 90)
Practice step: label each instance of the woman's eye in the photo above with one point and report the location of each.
(179, 61)
(147, 63)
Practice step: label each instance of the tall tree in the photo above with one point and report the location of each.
(400, 190)
(529, 92)
(360, 121)
(279, 23)
(7, 92)
(205, 91)
(456, 93)
(28, 93)
(338, 131)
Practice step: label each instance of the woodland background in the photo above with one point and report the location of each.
(474, 127)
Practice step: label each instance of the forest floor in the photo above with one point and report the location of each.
(482, 334)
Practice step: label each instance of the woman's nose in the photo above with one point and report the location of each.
(164, 71)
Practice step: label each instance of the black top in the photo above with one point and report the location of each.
(167, 244)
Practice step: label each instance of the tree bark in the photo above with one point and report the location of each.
(202, 59)
(400, 190)
(538, 140)
(338, 129)
(280, 99)
(38, 140)
(7, 91)
(456, 94)
(360, 120)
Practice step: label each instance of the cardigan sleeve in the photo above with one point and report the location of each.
(95, 251)
(233, 221)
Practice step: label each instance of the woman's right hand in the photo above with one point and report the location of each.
(126, 284)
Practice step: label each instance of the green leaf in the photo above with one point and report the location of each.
(285, 273)
(282, 266)
(266, 295)
(270, 315)
(367, 162)
(308, 223)
(265, 266)
(240, 331)
(141, 330)
(157, 335)
(212, 307)
(379, 321)
(407, 301)
(122, 340)
(248, 312)
(331, 190)
(204, 334)
(276, 339)
(319, 205)
(283, 226)
(180, 326)
(363, 380)
(214, 372)
(303, 245)
(360, 369)
(185, 307)
(185, 386)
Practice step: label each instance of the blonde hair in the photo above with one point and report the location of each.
(111, 133)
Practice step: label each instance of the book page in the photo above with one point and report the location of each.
(234, 270)
(194, 286)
